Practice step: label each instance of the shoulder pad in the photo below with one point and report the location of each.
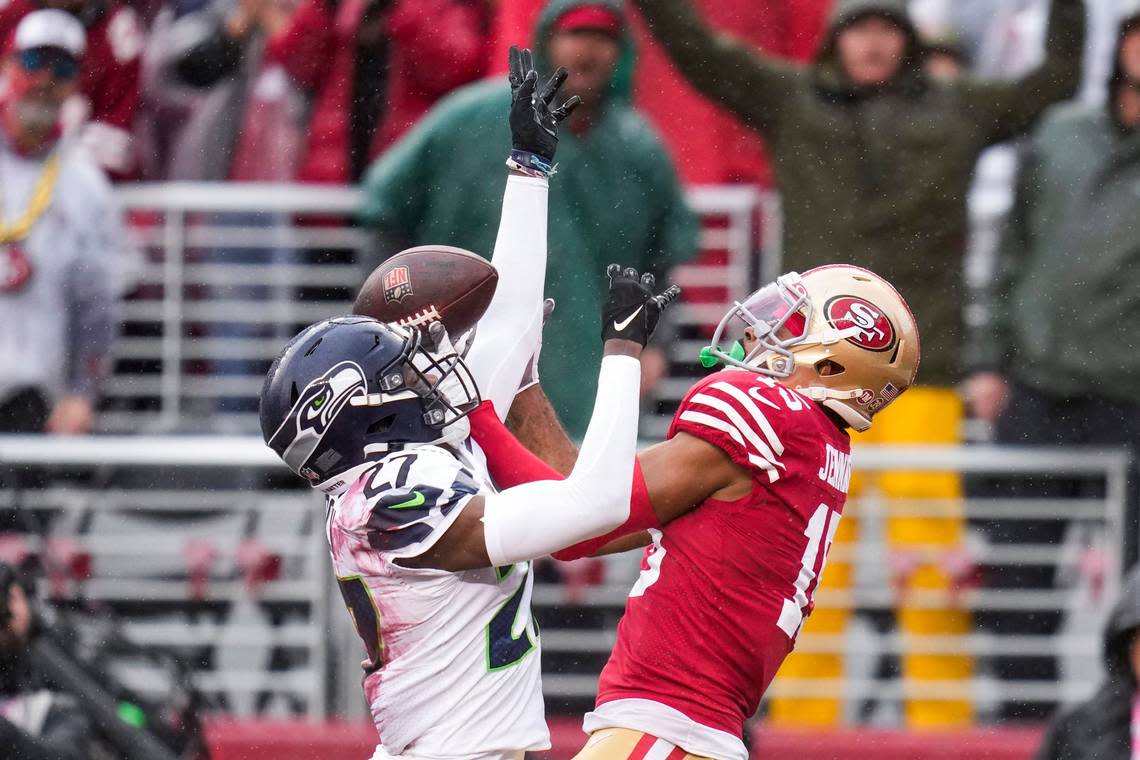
(743, 413)
(404, 504)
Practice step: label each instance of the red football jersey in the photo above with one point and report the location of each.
(724, 589)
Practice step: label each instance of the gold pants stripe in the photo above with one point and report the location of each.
(627, 744)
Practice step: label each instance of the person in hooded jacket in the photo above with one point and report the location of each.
(617, 199)
(1107, 725)
(710, 146)
(873, 160)
(1056, 356)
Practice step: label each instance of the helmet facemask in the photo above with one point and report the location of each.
(777, 318)
(436, 375)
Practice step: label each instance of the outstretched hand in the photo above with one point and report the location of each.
(632, 311)
(534, 123)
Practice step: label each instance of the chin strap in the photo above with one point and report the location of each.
(829, 336)
(833, 399)
(822, 393)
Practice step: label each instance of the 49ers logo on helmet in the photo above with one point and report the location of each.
(876, 333)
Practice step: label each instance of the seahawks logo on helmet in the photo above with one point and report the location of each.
(312, 414)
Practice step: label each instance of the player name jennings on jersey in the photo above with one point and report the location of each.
(836, 470)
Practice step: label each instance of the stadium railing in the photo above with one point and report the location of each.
(207, 549)
(205, 556)
(230, 271)
(1088, 561)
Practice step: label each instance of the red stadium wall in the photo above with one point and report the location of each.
(341, 740)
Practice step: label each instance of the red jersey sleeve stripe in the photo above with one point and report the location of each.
(729, 412)
(706, 420)
(749, 406)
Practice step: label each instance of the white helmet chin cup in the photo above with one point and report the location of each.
(834, 400)
(455, 433)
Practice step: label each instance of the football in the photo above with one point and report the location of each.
(427, 283)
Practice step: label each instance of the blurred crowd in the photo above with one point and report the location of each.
(869, 117)
(982, 155)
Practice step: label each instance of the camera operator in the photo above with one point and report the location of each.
(35, 723)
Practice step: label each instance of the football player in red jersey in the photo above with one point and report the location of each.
(739, 506)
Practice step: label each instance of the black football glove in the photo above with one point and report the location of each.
(534, 124)
(631, 311)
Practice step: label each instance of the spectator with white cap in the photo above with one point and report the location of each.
(61, 239)
(101, 111)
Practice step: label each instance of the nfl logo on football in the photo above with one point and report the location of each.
(397, 285)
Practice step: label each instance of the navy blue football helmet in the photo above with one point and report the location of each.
(348, 388)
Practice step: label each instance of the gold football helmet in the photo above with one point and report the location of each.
(838, 334)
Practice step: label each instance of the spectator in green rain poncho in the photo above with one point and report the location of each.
(615, 197)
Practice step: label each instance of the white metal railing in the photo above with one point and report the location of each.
(117, 485)
(1076, 646)
(230, 274)
(193, 545)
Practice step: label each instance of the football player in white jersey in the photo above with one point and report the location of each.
(432, 562)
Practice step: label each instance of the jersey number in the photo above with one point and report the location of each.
(822, 524)
(365, 617)
(508, 637)
(508, 640)
(650, 564)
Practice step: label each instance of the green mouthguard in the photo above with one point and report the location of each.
(708, 360)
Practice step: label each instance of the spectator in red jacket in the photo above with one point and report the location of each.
(374, 68)
(102, 113)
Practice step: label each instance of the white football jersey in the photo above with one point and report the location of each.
(452, 668)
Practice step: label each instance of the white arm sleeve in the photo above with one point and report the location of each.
(510, 330)
(532, 520)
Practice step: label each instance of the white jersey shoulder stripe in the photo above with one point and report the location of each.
(750, 406)
(716, 423)
(734, 416)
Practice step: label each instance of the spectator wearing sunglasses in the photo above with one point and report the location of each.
(106, 100)
(60, 239)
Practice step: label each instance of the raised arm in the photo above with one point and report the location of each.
(510, 329)
(669, 479)
(989, 345)
(1006, 109)
(753, 86)
(534, 519)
